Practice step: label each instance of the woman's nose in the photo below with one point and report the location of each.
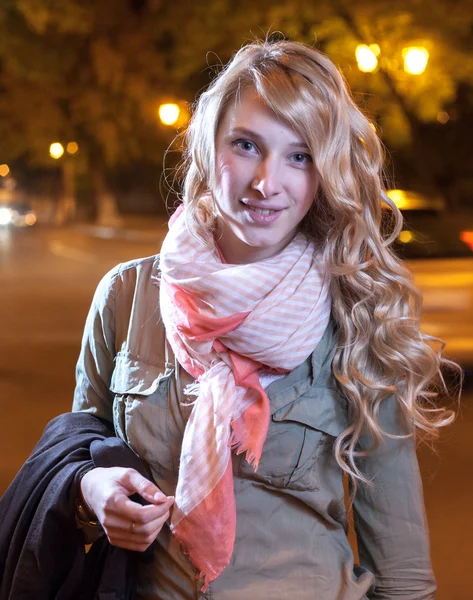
(267, 180)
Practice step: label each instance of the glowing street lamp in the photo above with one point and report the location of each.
(169, 113)
(56, 150)
(415, 59)
(72, 147)
(443, 117)
(66, 207)
(366, 57)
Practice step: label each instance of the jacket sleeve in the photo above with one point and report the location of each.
(390, 521)
(96, 360)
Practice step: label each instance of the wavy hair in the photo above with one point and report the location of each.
(375, 304)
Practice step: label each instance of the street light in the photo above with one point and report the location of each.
(366, 57)
(443, 117)
(66, 207)
(169, 113)
(56, 150)
(415, 59)
(405, 236)
(72, 147)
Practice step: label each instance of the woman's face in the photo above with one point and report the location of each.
(266, 181)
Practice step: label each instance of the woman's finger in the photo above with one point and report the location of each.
(138, 524)
(102, 488)
(129, 511)
(121, 527)
(130, 535)
(148, 529)
(134, 482)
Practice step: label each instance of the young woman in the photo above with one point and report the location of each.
(271, 348)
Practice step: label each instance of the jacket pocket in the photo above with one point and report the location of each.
(132, 375)
(141, 406)
(300, 439)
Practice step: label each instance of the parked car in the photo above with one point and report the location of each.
(438, 248)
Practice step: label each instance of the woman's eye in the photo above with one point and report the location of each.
(301, 158)
(245, 145)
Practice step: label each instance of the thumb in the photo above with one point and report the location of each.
(136, 483)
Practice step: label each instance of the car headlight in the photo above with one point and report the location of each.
(5, 216)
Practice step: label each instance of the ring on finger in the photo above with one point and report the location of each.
(132, 528)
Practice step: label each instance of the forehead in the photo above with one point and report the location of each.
(248, 111)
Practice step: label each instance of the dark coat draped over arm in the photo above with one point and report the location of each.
(42, 550)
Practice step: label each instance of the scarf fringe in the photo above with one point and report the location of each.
(192, 389)
(206, 578)
(206, 581)
(239, 447)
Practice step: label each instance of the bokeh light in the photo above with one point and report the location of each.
(72, 147)
(415, 59)
(375, 49)
(405, 236)
(30, 219)
(5, 216)
(4, 170)
(399, 198)
(169, 113)
(366, 57)
(467, 238)
(56, 150)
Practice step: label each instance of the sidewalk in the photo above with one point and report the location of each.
(132, 228)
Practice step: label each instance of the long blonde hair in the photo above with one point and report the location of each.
(376, 306)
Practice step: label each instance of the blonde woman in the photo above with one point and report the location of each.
(272, 348)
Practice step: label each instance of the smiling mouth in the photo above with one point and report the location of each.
(262, 211)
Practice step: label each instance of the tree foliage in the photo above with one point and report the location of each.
(393, 97)
(96, 72)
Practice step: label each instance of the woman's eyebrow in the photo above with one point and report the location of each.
(254, 135)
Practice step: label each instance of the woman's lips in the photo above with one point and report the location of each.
(263, 215)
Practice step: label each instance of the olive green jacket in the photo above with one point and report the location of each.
(291, 541)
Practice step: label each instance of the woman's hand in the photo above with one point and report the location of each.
(126, 523)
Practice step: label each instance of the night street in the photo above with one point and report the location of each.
(47, 281)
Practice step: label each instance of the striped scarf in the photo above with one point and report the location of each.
(224, 322)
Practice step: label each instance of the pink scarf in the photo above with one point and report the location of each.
(224, 322)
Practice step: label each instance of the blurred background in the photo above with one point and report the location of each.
(92, 94)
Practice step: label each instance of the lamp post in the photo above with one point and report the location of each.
(66, 209)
